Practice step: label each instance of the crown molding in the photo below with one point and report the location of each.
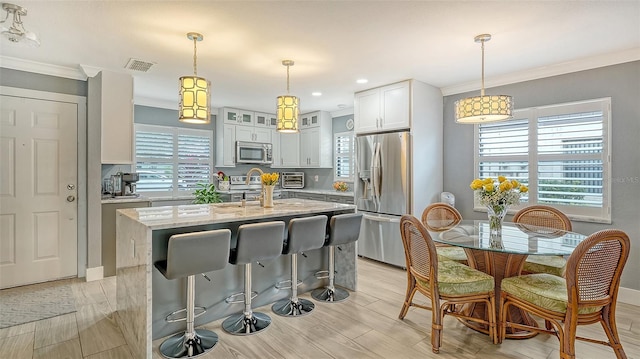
(90, 71)
(342, 112)
(41, 68)
(548, 71)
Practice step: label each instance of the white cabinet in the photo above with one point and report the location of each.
(238, 117)
(286, 150)
(383, 109)
(266, 120)
(111, 103)
(226, 148)
(253, 134)
(310, 120)
(316, 146)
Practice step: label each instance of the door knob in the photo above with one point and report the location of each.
(71, 198)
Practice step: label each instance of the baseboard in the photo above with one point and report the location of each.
(95, 273)
(629, 296)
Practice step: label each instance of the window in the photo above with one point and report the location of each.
(172, 160)
(560, 151)
(343, 156)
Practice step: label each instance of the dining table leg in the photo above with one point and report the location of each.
(499, 265)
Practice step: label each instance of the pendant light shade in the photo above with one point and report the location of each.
(287, 108)
(195, 100)
(482, 109)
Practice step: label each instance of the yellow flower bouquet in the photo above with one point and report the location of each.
(340, 186)
(497, 196)
(270, 179)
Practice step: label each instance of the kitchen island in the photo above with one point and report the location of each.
(145, 297)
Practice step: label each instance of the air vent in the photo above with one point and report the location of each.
(138, 65)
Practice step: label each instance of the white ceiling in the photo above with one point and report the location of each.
(333, 43)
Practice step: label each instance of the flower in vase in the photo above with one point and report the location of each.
(270, 179)
(498, 193)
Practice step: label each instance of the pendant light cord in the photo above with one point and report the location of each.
(195, 67)
(287, 79)
(482, 87)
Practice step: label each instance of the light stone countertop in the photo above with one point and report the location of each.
(201, 214)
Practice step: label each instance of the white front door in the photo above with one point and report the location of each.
(38, 190)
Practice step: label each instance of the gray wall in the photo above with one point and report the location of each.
(621, 83)
(33, 81)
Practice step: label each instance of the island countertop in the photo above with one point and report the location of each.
(193, 215)
(145, 297)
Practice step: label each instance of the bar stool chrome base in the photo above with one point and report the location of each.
(289, 308)
(180, 346)
(241, 324)
(329, 295)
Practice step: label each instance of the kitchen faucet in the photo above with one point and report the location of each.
(255, 169)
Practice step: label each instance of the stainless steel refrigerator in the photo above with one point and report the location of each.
(383, 193)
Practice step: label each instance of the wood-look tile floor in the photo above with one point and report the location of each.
(364, 326)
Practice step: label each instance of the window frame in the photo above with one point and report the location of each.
(176, 132)
(532, 114)
(352, 157)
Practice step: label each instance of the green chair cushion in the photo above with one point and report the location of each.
(543, 290)
(458, 279)
(452, 254)
(545, 264)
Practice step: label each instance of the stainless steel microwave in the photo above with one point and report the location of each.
(254, 153)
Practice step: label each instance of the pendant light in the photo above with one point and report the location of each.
(287, 108)
(482, 109)
(194, 92)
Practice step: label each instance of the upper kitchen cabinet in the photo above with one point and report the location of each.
(266, 120)
(316, 141)
(286, 150)
(111, 103)
(310, 120)
(225, 145)
(383, 108)
(253, 134)
(238, 117)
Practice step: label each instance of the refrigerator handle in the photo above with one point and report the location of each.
(375, 169)
(381, 219)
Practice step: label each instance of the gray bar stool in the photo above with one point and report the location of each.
(187, 255)
(256, 242)
(304, 234)
(343, 229)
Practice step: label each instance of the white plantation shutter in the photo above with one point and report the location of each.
(343, 156)
(172, 160)
(561, 152)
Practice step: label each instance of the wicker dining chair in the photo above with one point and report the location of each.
(438, 217)
(586, 295)
(548, 217)
(445, 283)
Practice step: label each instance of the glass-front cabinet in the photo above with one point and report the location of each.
(265, 119)
(238, 117)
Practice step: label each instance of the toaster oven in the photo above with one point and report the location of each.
(292, 180)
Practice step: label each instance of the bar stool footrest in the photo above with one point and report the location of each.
(198, 311)
(181, 346)
(286, 284)
(231, 299)
(322, 274)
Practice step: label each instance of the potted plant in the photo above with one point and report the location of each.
(206, 193)
(223, 181)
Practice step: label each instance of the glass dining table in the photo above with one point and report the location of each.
(503, 256)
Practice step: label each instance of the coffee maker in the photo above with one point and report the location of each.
(129, 183)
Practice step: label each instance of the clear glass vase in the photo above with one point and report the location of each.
(496, 215)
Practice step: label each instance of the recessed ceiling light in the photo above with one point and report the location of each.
(362, 81)
(316, 93)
